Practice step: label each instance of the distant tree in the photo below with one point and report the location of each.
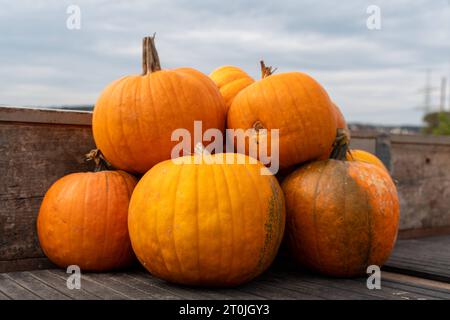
(438, 123)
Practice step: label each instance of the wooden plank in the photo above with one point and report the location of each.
(436, 289)
(15, 291)
(422, 173)
(4, 296)
(25, 264)
(352, 288)
(131, 292)
(172, 289)
(33, 157)
(427, 258)
(367, 144)
(60, 284)
(185, 291)
(423, 232)
(148, 287)
(39, 288)
(94, 288)
(50, 116)
(326, 289)
(348, 287)
(420, 139)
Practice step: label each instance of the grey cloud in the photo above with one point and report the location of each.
(366, 72)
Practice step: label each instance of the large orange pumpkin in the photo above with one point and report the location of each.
(230, 80)
(342, 216)
(83, 221)
(364, 156)
(294, 103)
(135, 116)
(207, 224)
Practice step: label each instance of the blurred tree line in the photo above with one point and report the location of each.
(437, 123)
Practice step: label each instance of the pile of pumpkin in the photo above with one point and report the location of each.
(213, 224)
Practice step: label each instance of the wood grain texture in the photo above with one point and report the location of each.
(427, 258)
(287, 283)
(422, 172)
(33, 157)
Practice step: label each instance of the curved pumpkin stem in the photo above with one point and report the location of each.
(266, 70)
(340, 145)
(150, 58)
(99, 159)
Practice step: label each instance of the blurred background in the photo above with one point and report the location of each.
(393, 78)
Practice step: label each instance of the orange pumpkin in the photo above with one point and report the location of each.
(294, 103)
(364, 156)
(199, 222)
(340, 124)
(135, 116)
(230, 80)
(83, 221)
(342, 216)
(339, 117)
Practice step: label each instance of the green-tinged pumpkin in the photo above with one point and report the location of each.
(342, 216)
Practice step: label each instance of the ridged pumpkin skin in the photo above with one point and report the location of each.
(364, 156)
(206, 224)
(295, 104)
(230, 80)
(339, 117)
(340, 124)
(135, 116)
(83, 221)
(342, 216)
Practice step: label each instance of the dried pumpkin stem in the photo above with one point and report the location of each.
(340, 145)
(266, 70)
(99, 159)
(150, 58)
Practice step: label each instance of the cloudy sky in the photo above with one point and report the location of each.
(375, 76)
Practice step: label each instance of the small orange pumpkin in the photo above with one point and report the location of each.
(207, 222)
(342, 216)
(230, 80)
(292, 102)
(135, 116)
(83, 221)
(364, 156)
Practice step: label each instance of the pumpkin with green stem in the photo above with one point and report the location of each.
(342, 216)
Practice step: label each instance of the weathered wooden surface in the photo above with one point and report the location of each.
(427, 258)
(40, 146)
(34, 155)
(422, 172)
(286, 284)
(405, 277)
